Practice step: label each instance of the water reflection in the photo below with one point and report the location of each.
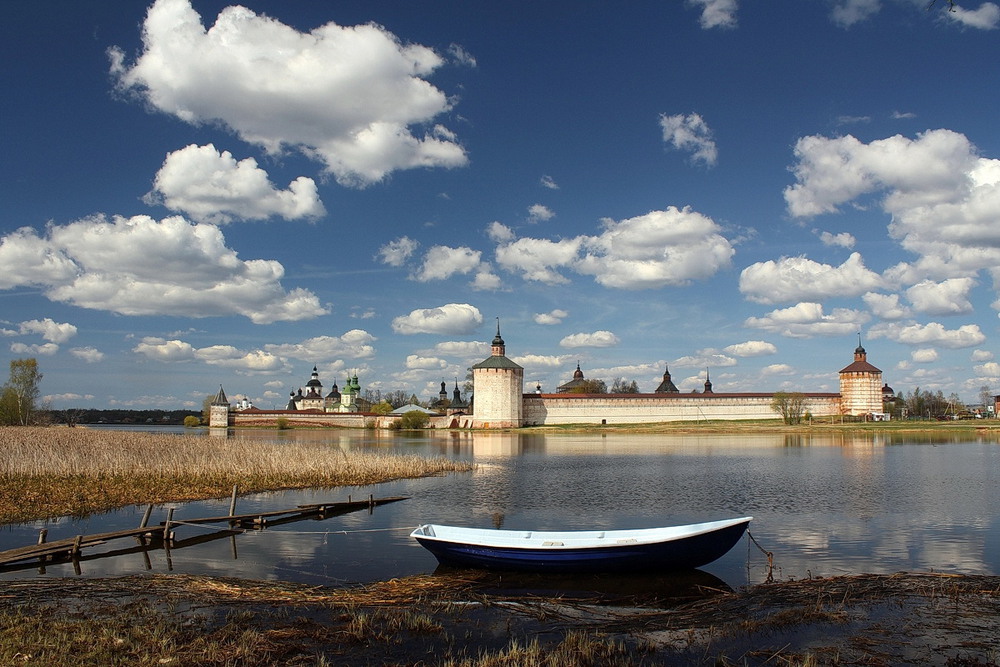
(823, 504)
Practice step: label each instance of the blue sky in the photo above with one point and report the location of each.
(194, 193)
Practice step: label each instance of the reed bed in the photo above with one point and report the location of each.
(47, 472)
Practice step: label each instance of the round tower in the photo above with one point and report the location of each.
(498, 384)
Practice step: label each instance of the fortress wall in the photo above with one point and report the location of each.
(304, 419)
(645, 408)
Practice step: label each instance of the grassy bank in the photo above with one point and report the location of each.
(819, 425)
(48, 472)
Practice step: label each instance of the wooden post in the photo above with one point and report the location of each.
(166, 525)
(76, 546)
(232, 502)
(145, 517)
(41, 536)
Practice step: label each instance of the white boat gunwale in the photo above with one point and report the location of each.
(574, 539)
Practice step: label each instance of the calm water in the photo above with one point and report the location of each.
(823, 505)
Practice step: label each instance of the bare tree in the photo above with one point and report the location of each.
(790, 405)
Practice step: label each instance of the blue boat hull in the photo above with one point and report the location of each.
(681, 554)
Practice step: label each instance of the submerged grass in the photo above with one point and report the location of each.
(47, 472)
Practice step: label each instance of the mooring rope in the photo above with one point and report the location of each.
(291, 532)
(770, 557)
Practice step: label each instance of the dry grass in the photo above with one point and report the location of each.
(48, 472)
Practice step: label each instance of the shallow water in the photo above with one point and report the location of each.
(824, 505)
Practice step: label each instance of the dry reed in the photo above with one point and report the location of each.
(48, 472)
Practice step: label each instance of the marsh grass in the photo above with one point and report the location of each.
(47, 472)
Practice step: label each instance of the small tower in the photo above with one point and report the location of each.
(218, 411)
(499, 386)
(860, 385)
(708, 383)
(667, 386)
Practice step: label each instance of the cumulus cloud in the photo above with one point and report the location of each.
(798, 279)
(485, 279)
(442, 262)
(464, 349)
(54, 332)
(396, 253)
(46, 349)
(449, 319)
(90, 355)
(416, 362)
(751, 348)
(355, 98)
(160, 349)
(806, 320)
(704, 359)
(950, 297)
(539, 259)
(716, 13)
(499, 232)
(140, 266)
(986, 17)
(934, 333)
(354, 344)
(535, 361)
(886, 306)
(690, 134)
(941, 198)
(540, 213)
(552, 317)
(981, 355)
(211, 186)
(595, 339)
(925, 355)
(843, 240)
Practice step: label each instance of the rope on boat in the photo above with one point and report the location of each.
(770, 557)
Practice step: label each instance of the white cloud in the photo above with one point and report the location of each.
(925, 355)
(46, 349)
(669, 247)
(461, 56)
(886, 306)
(540, 213)
(354, 344)
(442, 262)
(595, 339)
(485, 279)
(396, 253)
(800, 279)
(981, 355)
(69, 396)
(552, 317)
(535, 361)
(499, 232)
(547, 182)
(90, 355)
(211, 186)
(941, 198)
(716, 13)
(777, 369)
(991, 369)
(751, 348)
(704, 359)
(690, 134)
(159, 349)
(950, 297)
(806, 320)
(416, 362)
(52, 331)
(347, 96)
(846, 13)
(843, 240)
(140, 266)
(968, 335)
(987, 17)
(449, 319)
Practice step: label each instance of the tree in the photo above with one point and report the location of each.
(206, 409)
(623, 386)
(382, 408)
(414, 419)
(590, 387)
(191, 421)
(986, 398)
(21, 392)
(790, 405)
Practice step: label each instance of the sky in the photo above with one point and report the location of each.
(195, 194)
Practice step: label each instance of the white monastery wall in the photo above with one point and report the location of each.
(542, 409)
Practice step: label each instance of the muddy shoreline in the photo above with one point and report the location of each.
(904, 618)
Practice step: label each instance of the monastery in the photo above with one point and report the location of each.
(499, 401)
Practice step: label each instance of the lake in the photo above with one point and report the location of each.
(823, 505)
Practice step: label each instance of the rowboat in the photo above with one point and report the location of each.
(666, 548)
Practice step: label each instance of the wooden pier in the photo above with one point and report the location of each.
(70, 549)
